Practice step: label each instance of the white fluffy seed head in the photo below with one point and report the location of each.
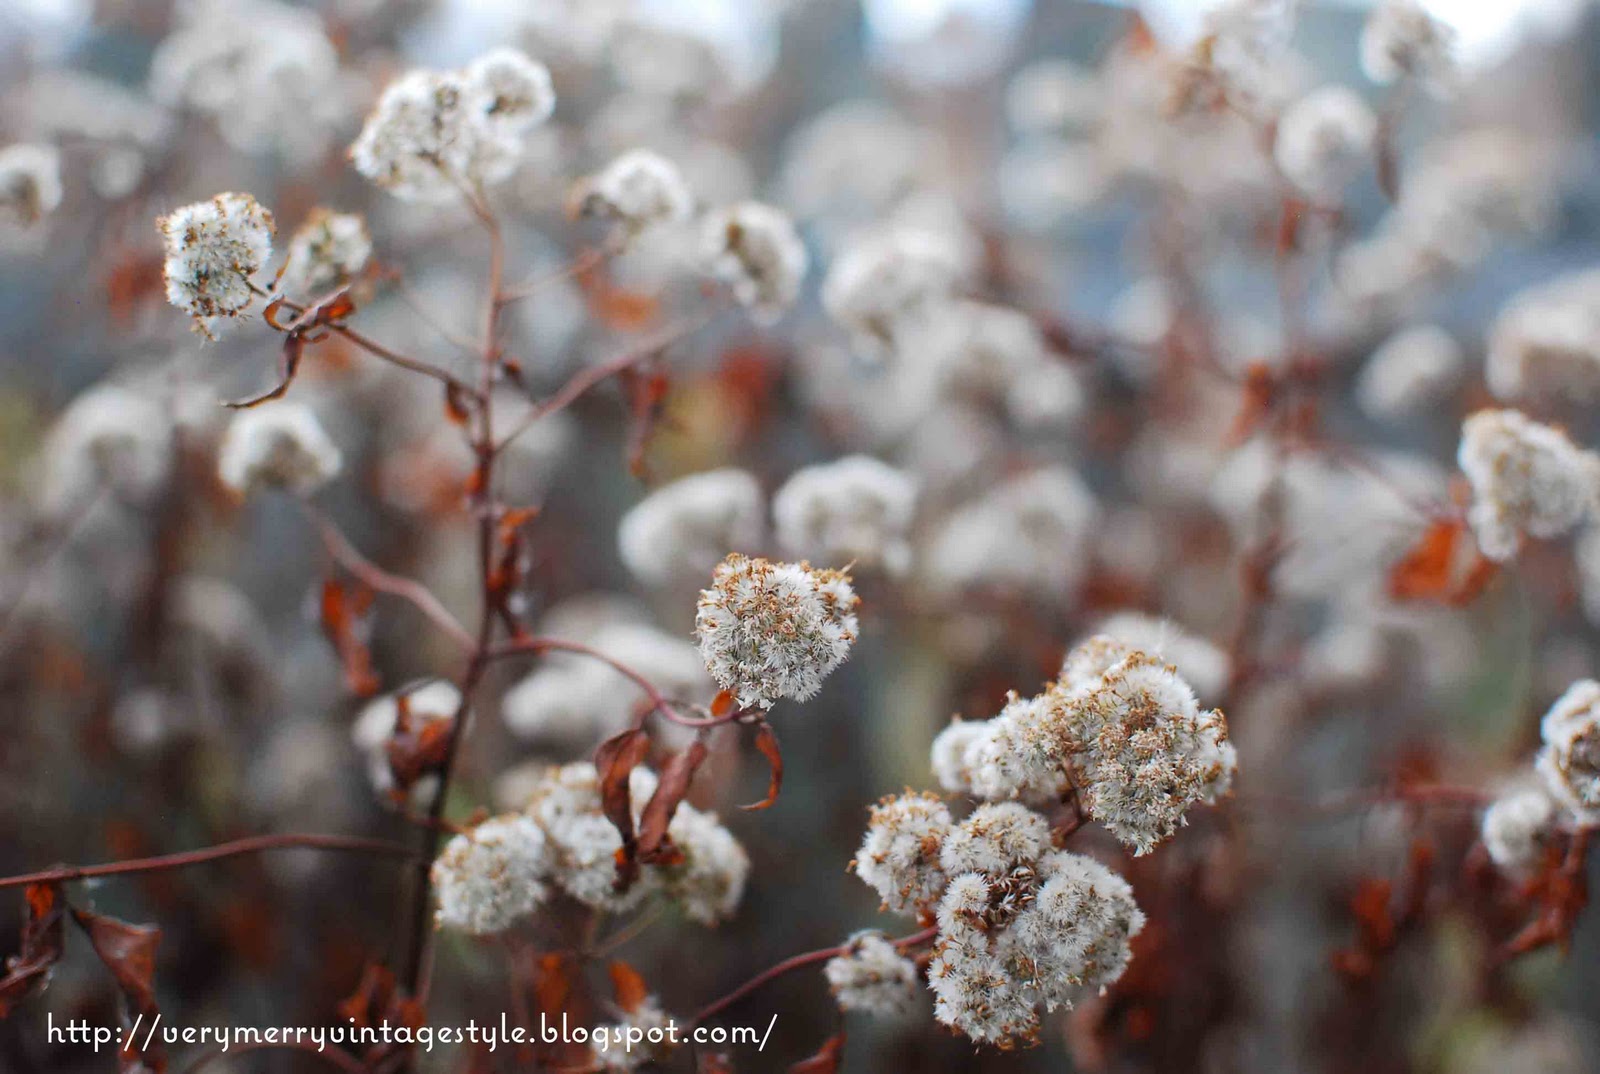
(774, 630)
(1325, 138)
(1075, 935)
(1546, 341)
(872, 977)
(681, 531)
(489, 878)
(996, 838)
(1203, 664)
(883, 286)
(1402, 40)
(854, 510)
(324, 252)
(709, 882)
(517, 92)
(1569, 760)
(899, 855)
(1519, 825)
(1527, 478)
(949, 755)
(213, 248)
(30, 182)
(755, 249)
(637, 191)
(1412, 371)
(281, 445)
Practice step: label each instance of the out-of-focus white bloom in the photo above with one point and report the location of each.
(949, 755)
(998, 354)
(1204, 665)
(1045, 180)
(1401, 40)
(856, 509)
(1546, 1043)
(283, 445)
(853, 162)
(774, 630)
(435, 136)
(683, 530)
(1412, 371)
(1526, 478)
(432, 701)
(899, 855)
(1029, 535)
(30, 182)
(886, 283)
(1518, 825)
(1546, 341)
(642, 1038)
(325, 251)
(490, 877)
(872, 977)
(1569, 761)
(213, 248)
(755, 250)
(1324, 138)
(638, 190)
(1051, 97)
(110, 437)
(666, 62)
(264, 71)
(709, 882)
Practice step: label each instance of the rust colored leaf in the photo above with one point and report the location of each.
(615, 760)
(455, 404)
(723, 704)
(293, 351)
(416, 748)
(378, 998)
(1444, 566)
(826, 1060)
(341, 609)
(1260, 391)
(29, 969)
(767, 743)
(129, 952)
(646, 392)
(553, 984)
(627, 986)
(676, 776)
(708, 1062)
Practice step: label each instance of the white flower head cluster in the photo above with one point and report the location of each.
(492, 876)
(1546, 341)
(755, 249)
(873, 977)
(1203, 665)
(110, 437)
(213, 248)
(1401, 40)
(1411, 371)
(682, 530)
(774, 630)
(431, 701)
(638, 190)
(1569, 760)
(1519, 825)
(998, 355)
(856, 509)
(641, 1038)
(30, 182)
(1325, 138)
(282, 445)
(707, 883)
(1527, 478)
(264, 71)
(1019, 924)
(1120, 726)
(885, 284)
(436, 135)
(324, 252)
(1029, 535)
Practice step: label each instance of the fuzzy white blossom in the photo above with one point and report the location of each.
(1546, 341)
(1203, 664)
(774, 630)
(950, 757)
(1028, 535)
(899, 855)
(1325, 138)
(282, 445)
(642, 1038)
(325, 251)
(1051, 96)
(755, 249)
(885, 284)
(856, 509)
(1569, 760)
(490, 877)
(435, 136)
(1527, 478)
(213, 248)
(873, 977)
(430, 702)
(682, 530)
(1518, 825)
(1412, 371)
(112, 438)
(638, 190)
(30, 182)
(998, 355)
(1402, 40)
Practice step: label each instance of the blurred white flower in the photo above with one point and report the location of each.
(30, 182)
(684, 529)
(755, 250)
(1527, 478)
(281, 444)
(854, 510)
(490, 877)
(1324, 138)
(872, 977)
(325, 251)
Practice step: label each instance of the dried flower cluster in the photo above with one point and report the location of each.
(755, 250)
(284, 446)
(682, 530)
(854, 510)
(327, 250)
(1527, 479)
(872, 977)
(213, 249)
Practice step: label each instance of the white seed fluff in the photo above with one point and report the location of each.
(899, 855)
(431, 701)
(1402, 40)
(1412, 370)
(856, 509)
(30, 182)
(872, 977)
(755, 249)
(774, 630)
(1527, 478)
(489, 878)
(882, 285)
(638, 190)
(1546, 341)
(1325, 138)
(327, 250)
(282, 445)
(683, 530)
(1569, 760)
(213, 248)
(1518, 825)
